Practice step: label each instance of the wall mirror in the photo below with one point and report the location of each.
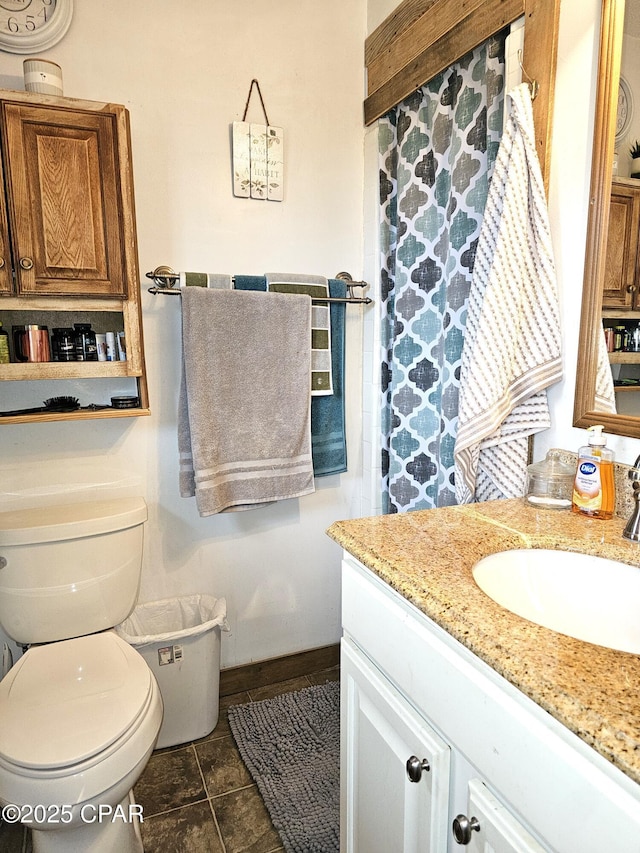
(611, 294)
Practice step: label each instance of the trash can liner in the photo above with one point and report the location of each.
(173, 619)
(179, 638)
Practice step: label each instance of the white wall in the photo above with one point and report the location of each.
(183, 71)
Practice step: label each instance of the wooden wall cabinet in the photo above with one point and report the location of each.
(67, 232)
(621, 275)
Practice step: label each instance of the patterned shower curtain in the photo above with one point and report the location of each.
(437, 150)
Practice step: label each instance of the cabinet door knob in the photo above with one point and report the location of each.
(631, 288)
(26, 263)
(415, 768)
(463, 827)
(1, 263)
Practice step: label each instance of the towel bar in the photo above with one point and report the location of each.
(165, 278)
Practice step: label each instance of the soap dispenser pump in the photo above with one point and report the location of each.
(594, 485)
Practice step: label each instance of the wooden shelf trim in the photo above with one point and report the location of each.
(620, 181)
(72, 304)
(45, 417)
(624, 357)
(66, 370)
(620, 314)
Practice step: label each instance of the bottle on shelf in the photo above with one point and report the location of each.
(85, 342)
(63, 344)
(4, 346)
(609, 337)
(111, 346)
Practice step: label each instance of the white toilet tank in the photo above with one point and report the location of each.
(66, 571)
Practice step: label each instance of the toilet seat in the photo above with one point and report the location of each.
(66, 703)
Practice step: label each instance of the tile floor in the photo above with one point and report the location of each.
(199, 797)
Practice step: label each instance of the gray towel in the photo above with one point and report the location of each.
(244, 422)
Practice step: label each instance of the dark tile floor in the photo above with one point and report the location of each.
(199, 797)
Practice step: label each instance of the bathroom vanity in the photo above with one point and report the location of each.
(464, 724)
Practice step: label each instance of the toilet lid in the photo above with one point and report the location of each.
(70, 521)
(64, 702)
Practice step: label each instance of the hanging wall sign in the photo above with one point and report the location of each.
(258, 157)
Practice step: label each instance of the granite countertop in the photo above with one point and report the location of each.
(427, 556)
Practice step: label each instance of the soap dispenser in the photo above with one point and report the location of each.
(594, 486)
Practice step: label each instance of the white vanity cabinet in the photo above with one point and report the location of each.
(515, 778)
(396, 777)
(381, 733)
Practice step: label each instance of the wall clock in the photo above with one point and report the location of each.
(625, 109)
(31, 26)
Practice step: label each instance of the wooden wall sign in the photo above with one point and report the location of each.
(258, 157)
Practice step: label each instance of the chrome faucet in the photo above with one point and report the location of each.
(632, 530)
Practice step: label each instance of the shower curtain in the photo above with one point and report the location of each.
(437, 150)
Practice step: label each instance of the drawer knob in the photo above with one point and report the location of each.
(1, 263)
(631, 288)
(463, 827)
(415, 768)
(26, 263)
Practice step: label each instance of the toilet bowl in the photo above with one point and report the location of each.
(79, 715)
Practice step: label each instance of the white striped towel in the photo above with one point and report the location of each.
(512, 347)
(605, 398)
(317, 287)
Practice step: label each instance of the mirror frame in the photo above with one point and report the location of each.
(611, 33)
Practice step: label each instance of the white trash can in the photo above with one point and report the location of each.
(180, 640)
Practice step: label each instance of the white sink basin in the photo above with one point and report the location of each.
(589, 598)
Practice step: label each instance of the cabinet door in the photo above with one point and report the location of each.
(64, 200)
(381, 809)
(620, 286)
(494, 829)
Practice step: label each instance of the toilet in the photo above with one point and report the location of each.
(80, 711)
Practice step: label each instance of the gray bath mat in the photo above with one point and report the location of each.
(291, 746)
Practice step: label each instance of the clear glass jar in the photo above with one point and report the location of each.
(550, 483)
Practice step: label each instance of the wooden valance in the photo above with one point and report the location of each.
(421, 38)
